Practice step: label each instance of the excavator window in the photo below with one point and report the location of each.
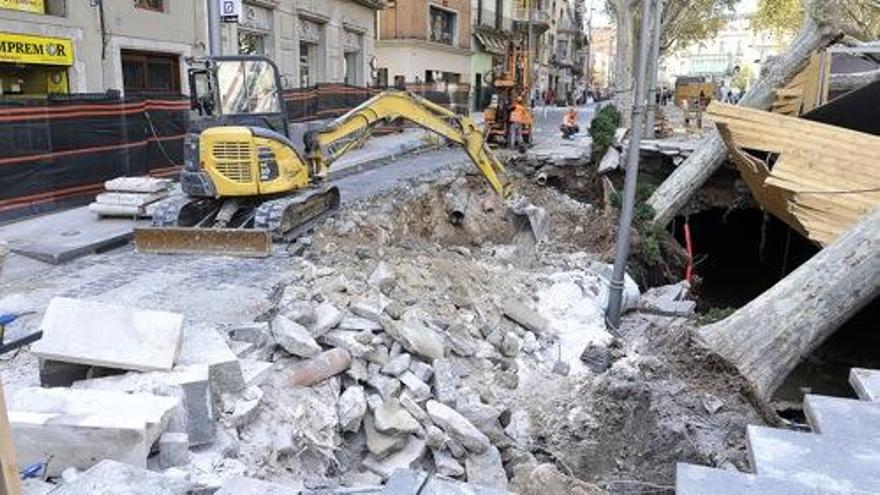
(247, 87)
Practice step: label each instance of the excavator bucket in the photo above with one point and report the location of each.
(534, 218)
(254, 243)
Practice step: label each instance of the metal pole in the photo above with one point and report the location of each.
(655, 68)
(531, 60)
(615, 299)
(215, 46)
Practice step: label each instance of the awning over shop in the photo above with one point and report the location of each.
(492, 43)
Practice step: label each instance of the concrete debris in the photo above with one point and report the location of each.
(486, 469)
(294, 338)
(78, 331)
(257, 333)
(669, 300)
(370, 307)
(241, 410)
(445, 381)
(301, 312)
(422, 370)
(321, 367)
(327, 317)
(461, 341)
(598, 358)
(416, 337)
(410, 404)
(383, 278)
(610, 162)
(241, 485)
(190, 384)
(351, 408)
(537, 479)
(434, 437)
(457, 426)
(33, 486)
(519, 428)
(254, 371)
(420, 390)
(110, 477)
(173, 450)
(406, 458)
(387, 387)
(522, 313)
(446, 464)
(397, 365)
(392, 419)
(510, 345)
(711, 403)
(359, 324)
(379, 444)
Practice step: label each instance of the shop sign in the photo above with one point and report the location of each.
(27, 49)
(35, 6)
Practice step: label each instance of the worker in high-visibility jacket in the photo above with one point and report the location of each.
(519, 118)
(569, 124)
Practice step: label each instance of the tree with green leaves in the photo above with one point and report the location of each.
(787, 16)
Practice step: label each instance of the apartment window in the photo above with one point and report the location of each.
(144, 72)
(352, 64)
(307, 53)
(442, 23)
(251, 43)
(157, 5)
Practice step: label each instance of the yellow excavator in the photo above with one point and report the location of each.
(246, 184)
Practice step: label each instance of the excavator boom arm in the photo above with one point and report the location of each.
(345, 133)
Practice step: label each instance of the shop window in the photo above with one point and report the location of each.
(442, 24)
(150, 72)
(251, 43)
(157, 5)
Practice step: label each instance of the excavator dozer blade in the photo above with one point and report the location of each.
(252, 243)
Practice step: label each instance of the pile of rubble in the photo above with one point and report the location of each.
(399, 344)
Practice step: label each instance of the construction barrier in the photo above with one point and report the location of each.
(58, 151)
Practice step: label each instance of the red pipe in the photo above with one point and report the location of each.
(689, 245)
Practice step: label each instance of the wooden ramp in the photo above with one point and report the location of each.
(817, 178)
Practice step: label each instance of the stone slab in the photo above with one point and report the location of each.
(866, 383)
(843, 417)
(78, 441)
(405, 458)
(822, 462)
(203, 345)
(99, 334)
(138, 184)
(153, 411)
(241, 485)
(413, 482)
(254, 371)
(137, 200)
(701, 480)
(66, 235)
(190, 384)
(110, 478)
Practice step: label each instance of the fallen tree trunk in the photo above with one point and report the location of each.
(821, 27)
(768, 337)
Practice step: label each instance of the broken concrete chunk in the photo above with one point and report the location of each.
(460, 340)
(370, 307)
(301, 312)
(358, 370)
(446, 464)
(243, 409)
(348, 340)
(409, 403)
(351, 408)
(257, 333)
(359, 324)
(173, 450)
(190, 384)
(379, 444)
(383, 277)
(522, 312)
(419, 389)
(392, 419)
(327, 318)
(434, 437)
(321, 367)
(486, 469)
(457, 426)
(294, 338)
(254, 372)
(406, 458)
(510, 345)
(241, 485)
(33, 486)
(397, 365)
(519, 428)
(386, 386)
(446, 381)
(110, 476)
(79, 331)
(203, 345)
(422, 370)
(416, 338)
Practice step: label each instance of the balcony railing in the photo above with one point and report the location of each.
(521, 14)
(489, 19)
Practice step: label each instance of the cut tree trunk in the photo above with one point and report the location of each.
(819, 30)
(841, 83)
(768, 337)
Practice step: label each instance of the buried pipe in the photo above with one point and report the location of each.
(456, 206)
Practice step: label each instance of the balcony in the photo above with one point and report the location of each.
(490, 20)
(540, 19)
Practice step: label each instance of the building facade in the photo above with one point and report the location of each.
(424, 41)
(603, 42)
(138, 46)
(492, 33)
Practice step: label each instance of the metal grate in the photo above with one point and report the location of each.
(233, 160)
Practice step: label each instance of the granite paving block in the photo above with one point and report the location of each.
(99, 334)
(822, 462)
(843, 417)
(113, 478)
(866, 383)
(701, 480)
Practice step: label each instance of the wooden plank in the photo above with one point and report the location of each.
(9, 479)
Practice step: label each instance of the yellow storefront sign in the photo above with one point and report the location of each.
(35, 6)
(26, 49)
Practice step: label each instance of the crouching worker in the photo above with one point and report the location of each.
(569, 124)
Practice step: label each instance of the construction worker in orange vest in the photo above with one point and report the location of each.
(519, 117)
